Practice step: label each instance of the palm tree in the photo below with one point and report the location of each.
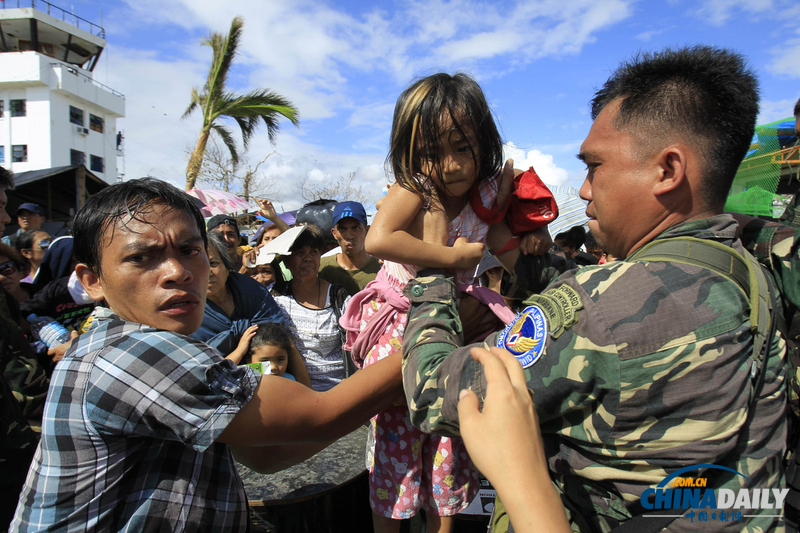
(215, 102)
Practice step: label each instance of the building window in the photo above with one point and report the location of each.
(76, 115)
(76, 157)
(97, 164)
(96, 123)
(17, 108)
(2, 108)
(2, 154)
(19, 153)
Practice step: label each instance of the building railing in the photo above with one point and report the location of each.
(76, 72)
(55, 11)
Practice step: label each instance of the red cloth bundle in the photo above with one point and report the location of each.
(530, 207)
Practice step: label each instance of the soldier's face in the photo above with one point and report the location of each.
(618, 183)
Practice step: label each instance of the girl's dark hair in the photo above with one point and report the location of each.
(270, 334)
(420, 116)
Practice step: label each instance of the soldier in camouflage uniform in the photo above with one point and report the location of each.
(791, 215)
(637, 368)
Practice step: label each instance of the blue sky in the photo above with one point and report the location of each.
(343, 64)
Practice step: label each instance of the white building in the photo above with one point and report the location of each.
(52, 112)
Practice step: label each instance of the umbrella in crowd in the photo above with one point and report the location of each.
(571, 209)
(219, 202)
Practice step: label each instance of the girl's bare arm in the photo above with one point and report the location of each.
(405, 233)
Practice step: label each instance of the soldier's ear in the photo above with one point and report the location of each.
(672, 165)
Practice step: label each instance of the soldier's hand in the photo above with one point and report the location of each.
(536, 242)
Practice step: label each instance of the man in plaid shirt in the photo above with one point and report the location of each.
(141, 420)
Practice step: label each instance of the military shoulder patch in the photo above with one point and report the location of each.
(525, 336)
(560, 305)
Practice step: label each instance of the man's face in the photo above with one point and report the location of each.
(350, 234)
(231, 237)
(4, 218)
(29, 220)
(616, 182)
(153, 272)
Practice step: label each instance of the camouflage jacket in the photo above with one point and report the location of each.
(642, 369)
(778, 247)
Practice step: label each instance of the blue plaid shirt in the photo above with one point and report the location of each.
(128, 436)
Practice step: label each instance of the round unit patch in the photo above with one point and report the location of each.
(525, 336)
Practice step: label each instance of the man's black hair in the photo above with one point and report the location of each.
(117, 205)
(6, 179)
(797, 108)
(706, 96)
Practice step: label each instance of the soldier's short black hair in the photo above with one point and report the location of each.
(704, 95)
(797, 108)
(116, 205)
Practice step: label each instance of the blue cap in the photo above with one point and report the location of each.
(349, 210)
(33, 208)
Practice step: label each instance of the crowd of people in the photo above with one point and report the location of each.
(574, 373)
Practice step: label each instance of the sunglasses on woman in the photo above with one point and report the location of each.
(7, 268)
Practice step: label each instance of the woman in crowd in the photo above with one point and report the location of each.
(234, 303)
(312, 308)
(33, 244)
(13, 268)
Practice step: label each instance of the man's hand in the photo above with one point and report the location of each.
(57, 352)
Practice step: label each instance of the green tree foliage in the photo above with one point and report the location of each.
(216, 103)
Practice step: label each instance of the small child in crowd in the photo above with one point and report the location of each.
(445, 149)
(271, 346)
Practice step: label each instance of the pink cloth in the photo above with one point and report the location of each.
(411, 469)
(362, 333)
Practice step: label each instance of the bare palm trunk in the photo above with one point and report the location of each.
(196, 160)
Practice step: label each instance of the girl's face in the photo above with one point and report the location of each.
(218, 274)
(457, 167)
(277, 357)
(304, 262)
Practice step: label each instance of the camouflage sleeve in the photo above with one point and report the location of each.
(436, 367)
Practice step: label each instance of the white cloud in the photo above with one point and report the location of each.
(543, 164)
(786, 60)
(770, 111)
(717, 12)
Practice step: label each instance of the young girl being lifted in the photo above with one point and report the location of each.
(446, 156)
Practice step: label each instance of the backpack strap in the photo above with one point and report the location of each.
(743, 270)
(747, 273)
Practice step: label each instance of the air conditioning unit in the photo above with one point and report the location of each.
(80, 130)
